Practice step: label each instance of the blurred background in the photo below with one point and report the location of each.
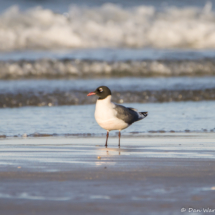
(159, 55)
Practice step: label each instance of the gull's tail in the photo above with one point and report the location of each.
(143, 114)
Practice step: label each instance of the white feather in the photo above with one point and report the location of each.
(105, 115)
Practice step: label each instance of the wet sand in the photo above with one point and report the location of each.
(150, 174)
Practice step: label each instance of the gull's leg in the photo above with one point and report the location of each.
(119, 138)
(107, 138)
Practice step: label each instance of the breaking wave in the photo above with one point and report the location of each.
(108, 26)
(50, 69)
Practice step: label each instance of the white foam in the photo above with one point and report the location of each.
(108, 26)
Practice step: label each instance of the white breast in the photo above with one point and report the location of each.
(105, 115)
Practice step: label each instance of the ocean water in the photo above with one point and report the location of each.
(154, 55)
(78, 120)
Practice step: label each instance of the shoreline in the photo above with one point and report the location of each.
(112, 134)
(157, 174)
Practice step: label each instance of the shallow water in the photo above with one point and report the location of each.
(116, 84)
(79, 120)
(110, 54)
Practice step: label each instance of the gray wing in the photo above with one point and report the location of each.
(128, 115)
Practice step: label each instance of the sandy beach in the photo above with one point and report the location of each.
(150, 174)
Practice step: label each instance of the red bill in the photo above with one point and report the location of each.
(90, 94)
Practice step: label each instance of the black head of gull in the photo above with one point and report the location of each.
(102, 92)
(111, 116)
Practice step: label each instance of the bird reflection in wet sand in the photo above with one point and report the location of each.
(109, 154)
(112, 116)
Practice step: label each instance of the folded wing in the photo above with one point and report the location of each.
(129, 115)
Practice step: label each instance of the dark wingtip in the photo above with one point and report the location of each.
(144, 113)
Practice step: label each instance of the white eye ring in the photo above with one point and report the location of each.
(100, 90)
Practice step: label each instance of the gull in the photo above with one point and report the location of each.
(111, 116)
